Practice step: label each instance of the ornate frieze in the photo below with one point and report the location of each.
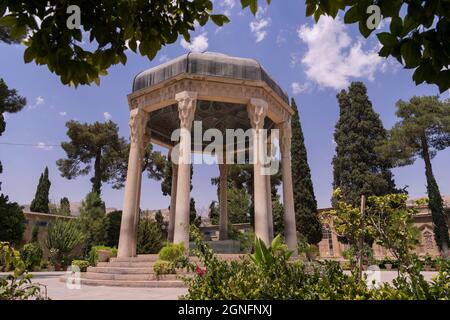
(208, 89)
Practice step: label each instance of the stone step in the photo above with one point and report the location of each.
(129, 277)
(131, 284)
(139, 258)
(120, 270)
(124, 264)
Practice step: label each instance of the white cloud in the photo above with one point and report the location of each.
(298, 88)
(44, 146)
(227, 5)
(164, 58)
(63, 113)
(295, 59)
(282, 37)
(333, 58)
(260, 24)
(107, 115)
(39, 101)
(198, 44)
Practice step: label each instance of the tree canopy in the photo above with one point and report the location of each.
(424, 129)
(12, 221)
(41, 200)
(154, 163)
(357, 167)
(418, 35)
(10, 102)
(110, 26)
(307, 220)
(64, 206)
(92, 147)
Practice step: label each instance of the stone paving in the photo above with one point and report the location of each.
(57, 290)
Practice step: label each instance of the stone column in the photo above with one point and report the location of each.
(138, 124)
(173, 197)
(143, 145)
(257, 111)
(269, 207)
(290, 230)
(223, 187)
(187, 102)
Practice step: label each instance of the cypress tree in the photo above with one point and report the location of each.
(357, 168)
(307, 221)
(64, 206)
(424, 129)
(41, 201)
(194, 219)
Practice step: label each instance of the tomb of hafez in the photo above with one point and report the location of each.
(226, 95)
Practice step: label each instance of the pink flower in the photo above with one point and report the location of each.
(201, 272)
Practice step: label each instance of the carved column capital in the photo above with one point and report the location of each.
(285, 137)
(187, 103)
(138, 125)
(257, 111)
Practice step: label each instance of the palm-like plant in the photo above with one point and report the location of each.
(63, 236)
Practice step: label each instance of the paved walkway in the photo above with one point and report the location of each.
(57, 290)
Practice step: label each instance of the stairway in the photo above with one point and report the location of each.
(135, 272)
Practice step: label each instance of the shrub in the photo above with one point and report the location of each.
(113, 221)
(172, 252)
(307, 250)
(246, 239)
(31, 254)
(150, 237)
(62, 238)
(93, 254)
(82, 264)
(163, 267)
(18, 285)
(269, 274)
(11, 221)
(44, 264)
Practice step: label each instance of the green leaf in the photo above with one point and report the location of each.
(18, 31)
(352, 15)
(363, 28)
(384, 51)
(396, 26)
(310, 9)
(387, 39)
(443, 81)
(409, 24)
(8, 21)
(28, 55)
(254, 6)
(219, 19)
(411, 53)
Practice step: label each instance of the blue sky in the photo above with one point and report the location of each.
(311, 62)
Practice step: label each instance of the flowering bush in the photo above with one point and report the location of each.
(270, 273)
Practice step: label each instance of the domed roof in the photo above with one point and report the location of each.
(210, 64)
